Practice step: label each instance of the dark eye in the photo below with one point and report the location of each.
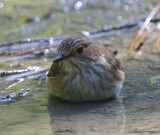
(80, 50)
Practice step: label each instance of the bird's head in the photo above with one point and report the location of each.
(72, 47)
(81, 49)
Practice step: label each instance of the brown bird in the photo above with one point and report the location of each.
(85, 70)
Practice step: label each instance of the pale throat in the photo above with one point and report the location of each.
(73, 65)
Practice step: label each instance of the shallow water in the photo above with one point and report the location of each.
(137, 112)
(29, 110)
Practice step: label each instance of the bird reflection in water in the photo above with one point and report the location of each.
(86, 118)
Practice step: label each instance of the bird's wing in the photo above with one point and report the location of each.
(112, 60)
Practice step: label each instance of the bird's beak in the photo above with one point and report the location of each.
(58, 58)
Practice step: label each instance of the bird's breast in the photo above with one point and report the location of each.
(83, 81)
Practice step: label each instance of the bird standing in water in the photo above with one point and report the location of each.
(85, 70)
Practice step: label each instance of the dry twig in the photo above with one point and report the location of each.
(137, 40)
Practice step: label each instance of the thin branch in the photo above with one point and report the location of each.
(140, 42)
(141, 30)
(27, 52)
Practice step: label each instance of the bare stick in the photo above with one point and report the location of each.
(143, 37)
(141, 30)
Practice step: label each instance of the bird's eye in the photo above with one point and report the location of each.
(80, 50)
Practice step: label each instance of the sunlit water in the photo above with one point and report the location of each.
(29, 109)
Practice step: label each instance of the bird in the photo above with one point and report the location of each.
(85, 70)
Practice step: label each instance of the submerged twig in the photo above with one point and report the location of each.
(27, 53)
(17, 95)
(29, 44)
(12, 72)
(135, 43)
(32, 71)
(113, 28)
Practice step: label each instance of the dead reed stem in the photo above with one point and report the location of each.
(145, 35)
(137, 40)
